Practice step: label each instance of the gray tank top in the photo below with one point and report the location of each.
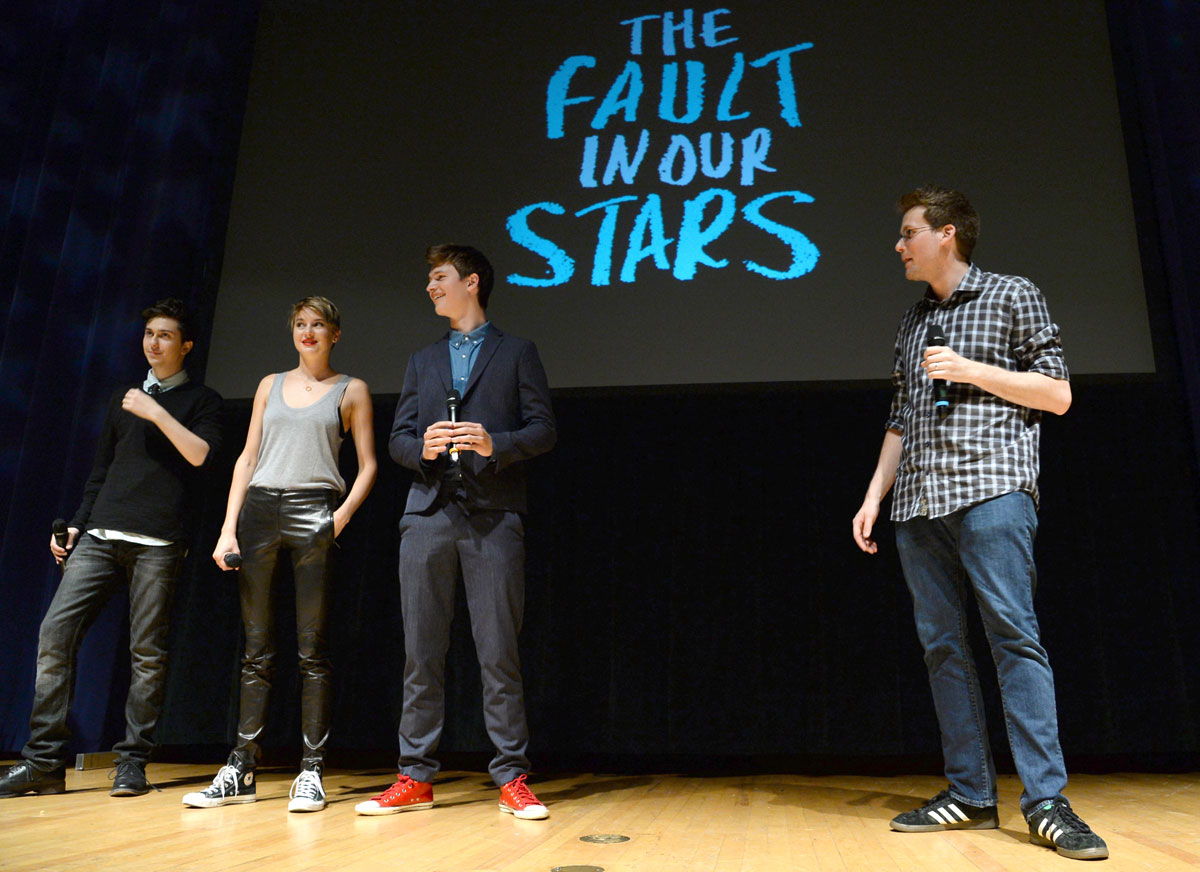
(299, 447)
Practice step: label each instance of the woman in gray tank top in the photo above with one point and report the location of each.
(284, 496)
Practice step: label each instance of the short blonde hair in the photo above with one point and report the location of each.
(323, 306)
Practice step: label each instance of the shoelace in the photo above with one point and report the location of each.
(226, 781)
(521, 793)
(945, 794)
(121, 767)
(1068, 821)
(403, 784)
(307, 786)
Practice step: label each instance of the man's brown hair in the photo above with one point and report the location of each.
(171, 308)
(466, 260)
(946, 206)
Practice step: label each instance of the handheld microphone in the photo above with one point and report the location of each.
(233, 560)
(941, 390)
(452, 400)
(59, 528)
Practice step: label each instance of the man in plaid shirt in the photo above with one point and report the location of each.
(977, 361)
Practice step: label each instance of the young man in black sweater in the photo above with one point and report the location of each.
(129, 531)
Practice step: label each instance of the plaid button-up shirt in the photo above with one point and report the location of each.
(986, 447)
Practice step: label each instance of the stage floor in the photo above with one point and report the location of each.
(673, 822)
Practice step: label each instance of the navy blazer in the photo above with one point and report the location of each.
(506, 392)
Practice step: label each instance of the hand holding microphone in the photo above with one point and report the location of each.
(453, 436)
(452, 400)
(226, 555)
(941, 388)
(61, 540)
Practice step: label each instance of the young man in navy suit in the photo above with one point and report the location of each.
(464, 515)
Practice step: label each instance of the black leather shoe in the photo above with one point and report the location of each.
(130, 779)
(24, 778)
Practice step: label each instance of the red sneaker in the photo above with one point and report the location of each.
(518, 800)
(404, 795)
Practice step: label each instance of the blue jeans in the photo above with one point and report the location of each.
(986, 549)
(94, 571)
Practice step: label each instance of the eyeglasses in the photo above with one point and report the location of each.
(908, 233)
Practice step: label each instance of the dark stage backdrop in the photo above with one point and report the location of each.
(686, 599)
(692, 584)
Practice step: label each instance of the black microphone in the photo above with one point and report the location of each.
(233, 560)
(941, 389)
(452, 400)
(59, 527)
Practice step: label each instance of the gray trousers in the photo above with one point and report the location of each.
(489, 547)
(93, 572)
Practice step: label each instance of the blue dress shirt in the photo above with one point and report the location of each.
(464, 350)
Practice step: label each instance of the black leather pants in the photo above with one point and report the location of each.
(300, 521)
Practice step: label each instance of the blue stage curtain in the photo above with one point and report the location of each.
(118, 142)
(1156, 53)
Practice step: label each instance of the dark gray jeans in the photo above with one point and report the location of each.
(95, 570)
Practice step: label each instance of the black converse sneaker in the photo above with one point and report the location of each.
(232, 784)
(943, 812)
(1054, 825)
(307, 793)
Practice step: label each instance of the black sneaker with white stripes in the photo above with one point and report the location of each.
(944, 812)
(1053, 824)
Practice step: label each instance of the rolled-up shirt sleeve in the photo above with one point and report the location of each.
(1035, 338)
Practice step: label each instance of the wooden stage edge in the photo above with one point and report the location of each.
(761, 822)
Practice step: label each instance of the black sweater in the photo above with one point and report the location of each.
(140, 481)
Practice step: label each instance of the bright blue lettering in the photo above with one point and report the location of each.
(669, 28)
(649, 218)
(618, 158)
(693, 237)
(787, 87)
(602, 266)
(804, 253)
(556, 93)
(695, 92)
(706, 165)
(587, 170)
(559, 263)
(709, 29)
(730, 90)
(680, 145)
(635, 38)
(614, 102)
(754, 153)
